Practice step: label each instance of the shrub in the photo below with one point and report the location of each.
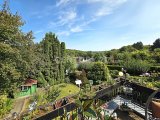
(136, 67)
(5, 105)
(155, 68)
(114, 67)
(157, 84)
(149, 85)
(96, 71)
(138, 79)
(86, 66)
(114, 73)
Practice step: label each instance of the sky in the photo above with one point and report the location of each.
(91, 25)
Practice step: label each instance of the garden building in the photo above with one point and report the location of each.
(28, 88)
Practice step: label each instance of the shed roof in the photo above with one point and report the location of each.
(29, 82)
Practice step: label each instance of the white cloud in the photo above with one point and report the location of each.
(67, 17)
(38, 31)
(76, 29)
(107, 6)
(104, 11)
(107, 1)
(94, 1)
(62, 2)
(63, 33)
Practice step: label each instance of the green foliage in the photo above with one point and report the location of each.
(156, 55)
(136, 67)
(138, 45)
(52, 94)
(156, 84)
(54, 59)
(90, 113)
(141, 55)
(86, 66)
(5, 105)
(70, 64)
(98, 57)
(86, 107)
(156, 44)
(114, 73)
(66, 90)
(9, 25)
(127, 49)
(83, 78)
(114, 67)
(155, 68)
(96, 71)
(41, 80)
(20, 58)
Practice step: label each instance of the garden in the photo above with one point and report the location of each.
(56, 68)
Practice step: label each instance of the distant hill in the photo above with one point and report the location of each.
(138, 51)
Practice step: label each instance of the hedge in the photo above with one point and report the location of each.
(119, 68)
(114, 67)
(155, 68)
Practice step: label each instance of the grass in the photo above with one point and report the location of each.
(66, 90)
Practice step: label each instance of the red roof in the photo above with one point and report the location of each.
(29, 82)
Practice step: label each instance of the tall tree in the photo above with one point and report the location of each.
(54, 52)
(156, 44)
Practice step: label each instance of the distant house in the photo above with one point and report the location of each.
(28, 88)
(83, 59)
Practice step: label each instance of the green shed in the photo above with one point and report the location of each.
(28, 88)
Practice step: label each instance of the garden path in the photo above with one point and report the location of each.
(17, 108)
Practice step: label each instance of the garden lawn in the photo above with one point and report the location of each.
(66, 90)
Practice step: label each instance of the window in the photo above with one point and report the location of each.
(24, 88)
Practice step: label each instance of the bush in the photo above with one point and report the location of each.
(149, 85)
(114, 73)
(41, 80)
(99, 72)
(5, 105)
(155, 68)
(85, 66)
(96, 71)
(114, 67)
(136, 67)
(138, 79)
(157, 84)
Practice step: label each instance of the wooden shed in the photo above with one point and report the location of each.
(28, 88)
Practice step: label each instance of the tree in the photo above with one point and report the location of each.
(141, 55)
(89, 54)
(128, 48)
(83, 77)
(138, 45)
(11, 63)
(20, 58)
(85, 66)
(156, 55)
(10, 70)
(70, 64)
(54, 59)
(156, 44)
(98, 57)
(9, 26)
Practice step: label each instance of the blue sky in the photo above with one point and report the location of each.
(92, 24)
